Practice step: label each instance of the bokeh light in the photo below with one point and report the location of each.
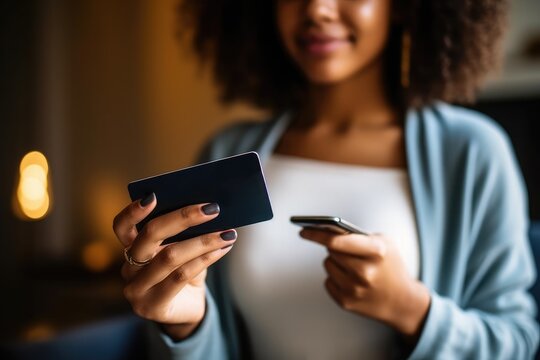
(39, 331)
(97, 256)
(33, 196)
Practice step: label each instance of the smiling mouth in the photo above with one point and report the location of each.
(322, 46)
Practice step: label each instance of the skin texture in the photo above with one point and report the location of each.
(353, 33)
(367, 276)
(338, 47)
(171, 289)
(347, 116)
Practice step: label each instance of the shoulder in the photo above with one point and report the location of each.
(467, 127)
(240, 136)
(464, 133)
(459, 148)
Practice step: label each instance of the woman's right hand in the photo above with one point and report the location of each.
(170, 289)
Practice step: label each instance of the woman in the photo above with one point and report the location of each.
(358, 89)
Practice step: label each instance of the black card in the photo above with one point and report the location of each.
(236, 183)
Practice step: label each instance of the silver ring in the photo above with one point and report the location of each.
(132, 261)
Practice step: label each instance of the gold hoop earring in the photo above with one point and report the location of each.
(405, 58)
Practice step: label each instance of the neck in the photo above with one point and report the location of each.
(358, 102)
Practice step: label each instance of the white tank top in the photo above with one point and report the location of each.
(277, 278)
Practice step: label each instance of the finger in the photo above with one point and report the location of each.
(124, 223)
(148, 242)
(360, 269)
(343, 280)
(354, 244)
(166, 290)
(337, 295)
(177, 254)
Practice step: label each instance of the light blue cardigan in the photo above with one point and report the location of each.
(471, 213)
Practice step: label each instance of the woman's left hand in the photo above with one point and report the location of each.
(367, 276)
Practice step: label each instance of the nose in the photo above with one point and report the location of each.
(322, 10)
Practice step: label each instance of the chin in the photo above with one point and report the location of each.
(326, 72)
(322, 77)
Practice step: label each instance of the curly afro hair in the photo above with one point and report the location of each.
(454, 45)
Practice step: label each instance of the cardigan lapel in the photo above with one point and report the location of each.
(268, 141)
(425, 169)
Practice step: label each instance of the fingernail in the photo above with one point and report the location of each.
(228, 235)
(226, 247)
(147, 200)
(210, 209)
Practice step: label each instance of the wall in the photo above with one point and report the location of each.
(139, 105)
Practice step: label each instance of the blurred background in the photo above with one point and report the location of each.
(106, 94)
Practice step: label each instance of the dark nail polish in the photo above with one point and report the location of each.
(210, 209)
(147, 200)
(228, 235)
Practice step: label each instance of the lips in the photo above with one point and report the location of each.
(322, 44)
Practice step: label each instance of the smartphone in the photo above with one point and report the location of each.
(236, 183)
(329, 223)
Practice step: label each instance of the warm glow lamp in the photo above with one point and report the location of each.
(33, 189)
